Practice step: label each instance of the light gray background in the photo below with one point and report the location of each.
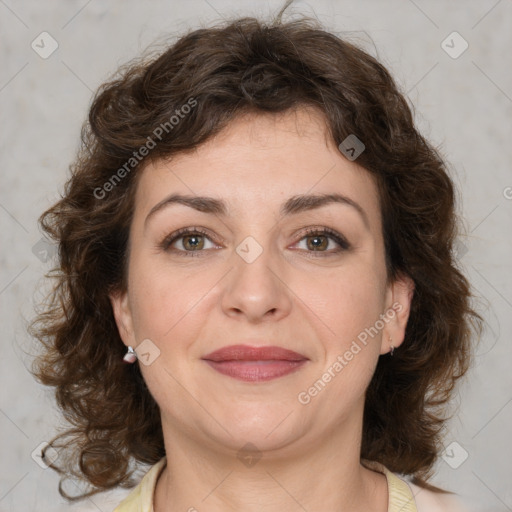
(463, 105)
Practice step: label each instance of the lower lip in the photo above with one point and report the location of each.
(256, 371)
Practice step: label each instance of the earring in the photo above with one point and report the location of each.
(130, 356)
(392, 348)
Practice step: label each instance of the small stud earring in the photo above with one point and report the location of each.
(130, 356)
(392, 348)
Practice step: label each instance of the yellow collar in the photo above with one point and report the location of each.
(140, 499)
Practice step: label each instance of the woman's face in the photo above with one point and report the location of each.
(258, 271)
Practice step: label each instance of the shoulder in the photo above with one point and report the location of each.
(429, 501)
(404, 496)
(140, 498)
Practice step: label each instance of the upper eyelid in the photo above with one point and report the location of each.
(180, 233)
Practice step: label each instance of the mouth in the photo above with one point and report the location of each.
(255, 364)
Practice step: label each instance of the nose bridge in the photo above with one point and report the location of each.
(255, 286)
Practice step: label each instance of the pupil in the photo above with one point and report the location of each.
(195, 242)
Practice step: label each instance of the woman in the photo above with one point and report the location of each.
(257, 294)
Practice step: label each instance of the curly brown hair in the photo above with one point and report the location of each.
(246, 65)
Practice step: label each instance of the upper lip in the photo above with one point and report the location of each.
(251, 353)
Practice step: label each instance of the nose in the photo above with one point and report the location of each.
(257, 290)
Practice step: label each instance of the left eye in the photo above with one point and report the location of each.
(322, 240)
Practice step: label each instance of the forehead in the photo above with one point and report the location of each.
(262, 159)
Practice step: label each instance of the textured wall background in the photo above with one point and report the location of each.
(463, 104)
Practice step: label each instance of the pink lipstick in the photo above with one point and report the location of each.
(255, 364)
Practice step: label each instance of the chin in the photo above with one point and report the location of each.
(265, 426)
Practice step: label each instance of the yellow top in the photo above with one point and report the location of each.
(140, 499)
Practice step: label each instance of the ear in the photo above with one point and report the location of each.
(399, 296)
(123, 317)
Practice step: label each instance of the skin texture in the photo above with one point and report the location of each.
(313, 302)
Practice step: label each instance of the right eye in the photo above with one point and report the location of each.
(192, 240)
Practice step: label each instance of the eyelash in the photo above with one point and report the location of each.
(339, 239)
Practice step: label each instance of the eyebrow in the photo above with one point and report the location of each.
(294, 205)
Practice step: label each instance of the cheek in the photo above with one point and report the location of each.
(347, 300)
(349, 306)
(165, 302)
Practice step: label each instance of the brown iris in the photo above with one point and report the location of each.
(315, 246)
(198, 242)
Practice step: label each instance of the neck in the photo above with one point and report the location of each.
(321, 475)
